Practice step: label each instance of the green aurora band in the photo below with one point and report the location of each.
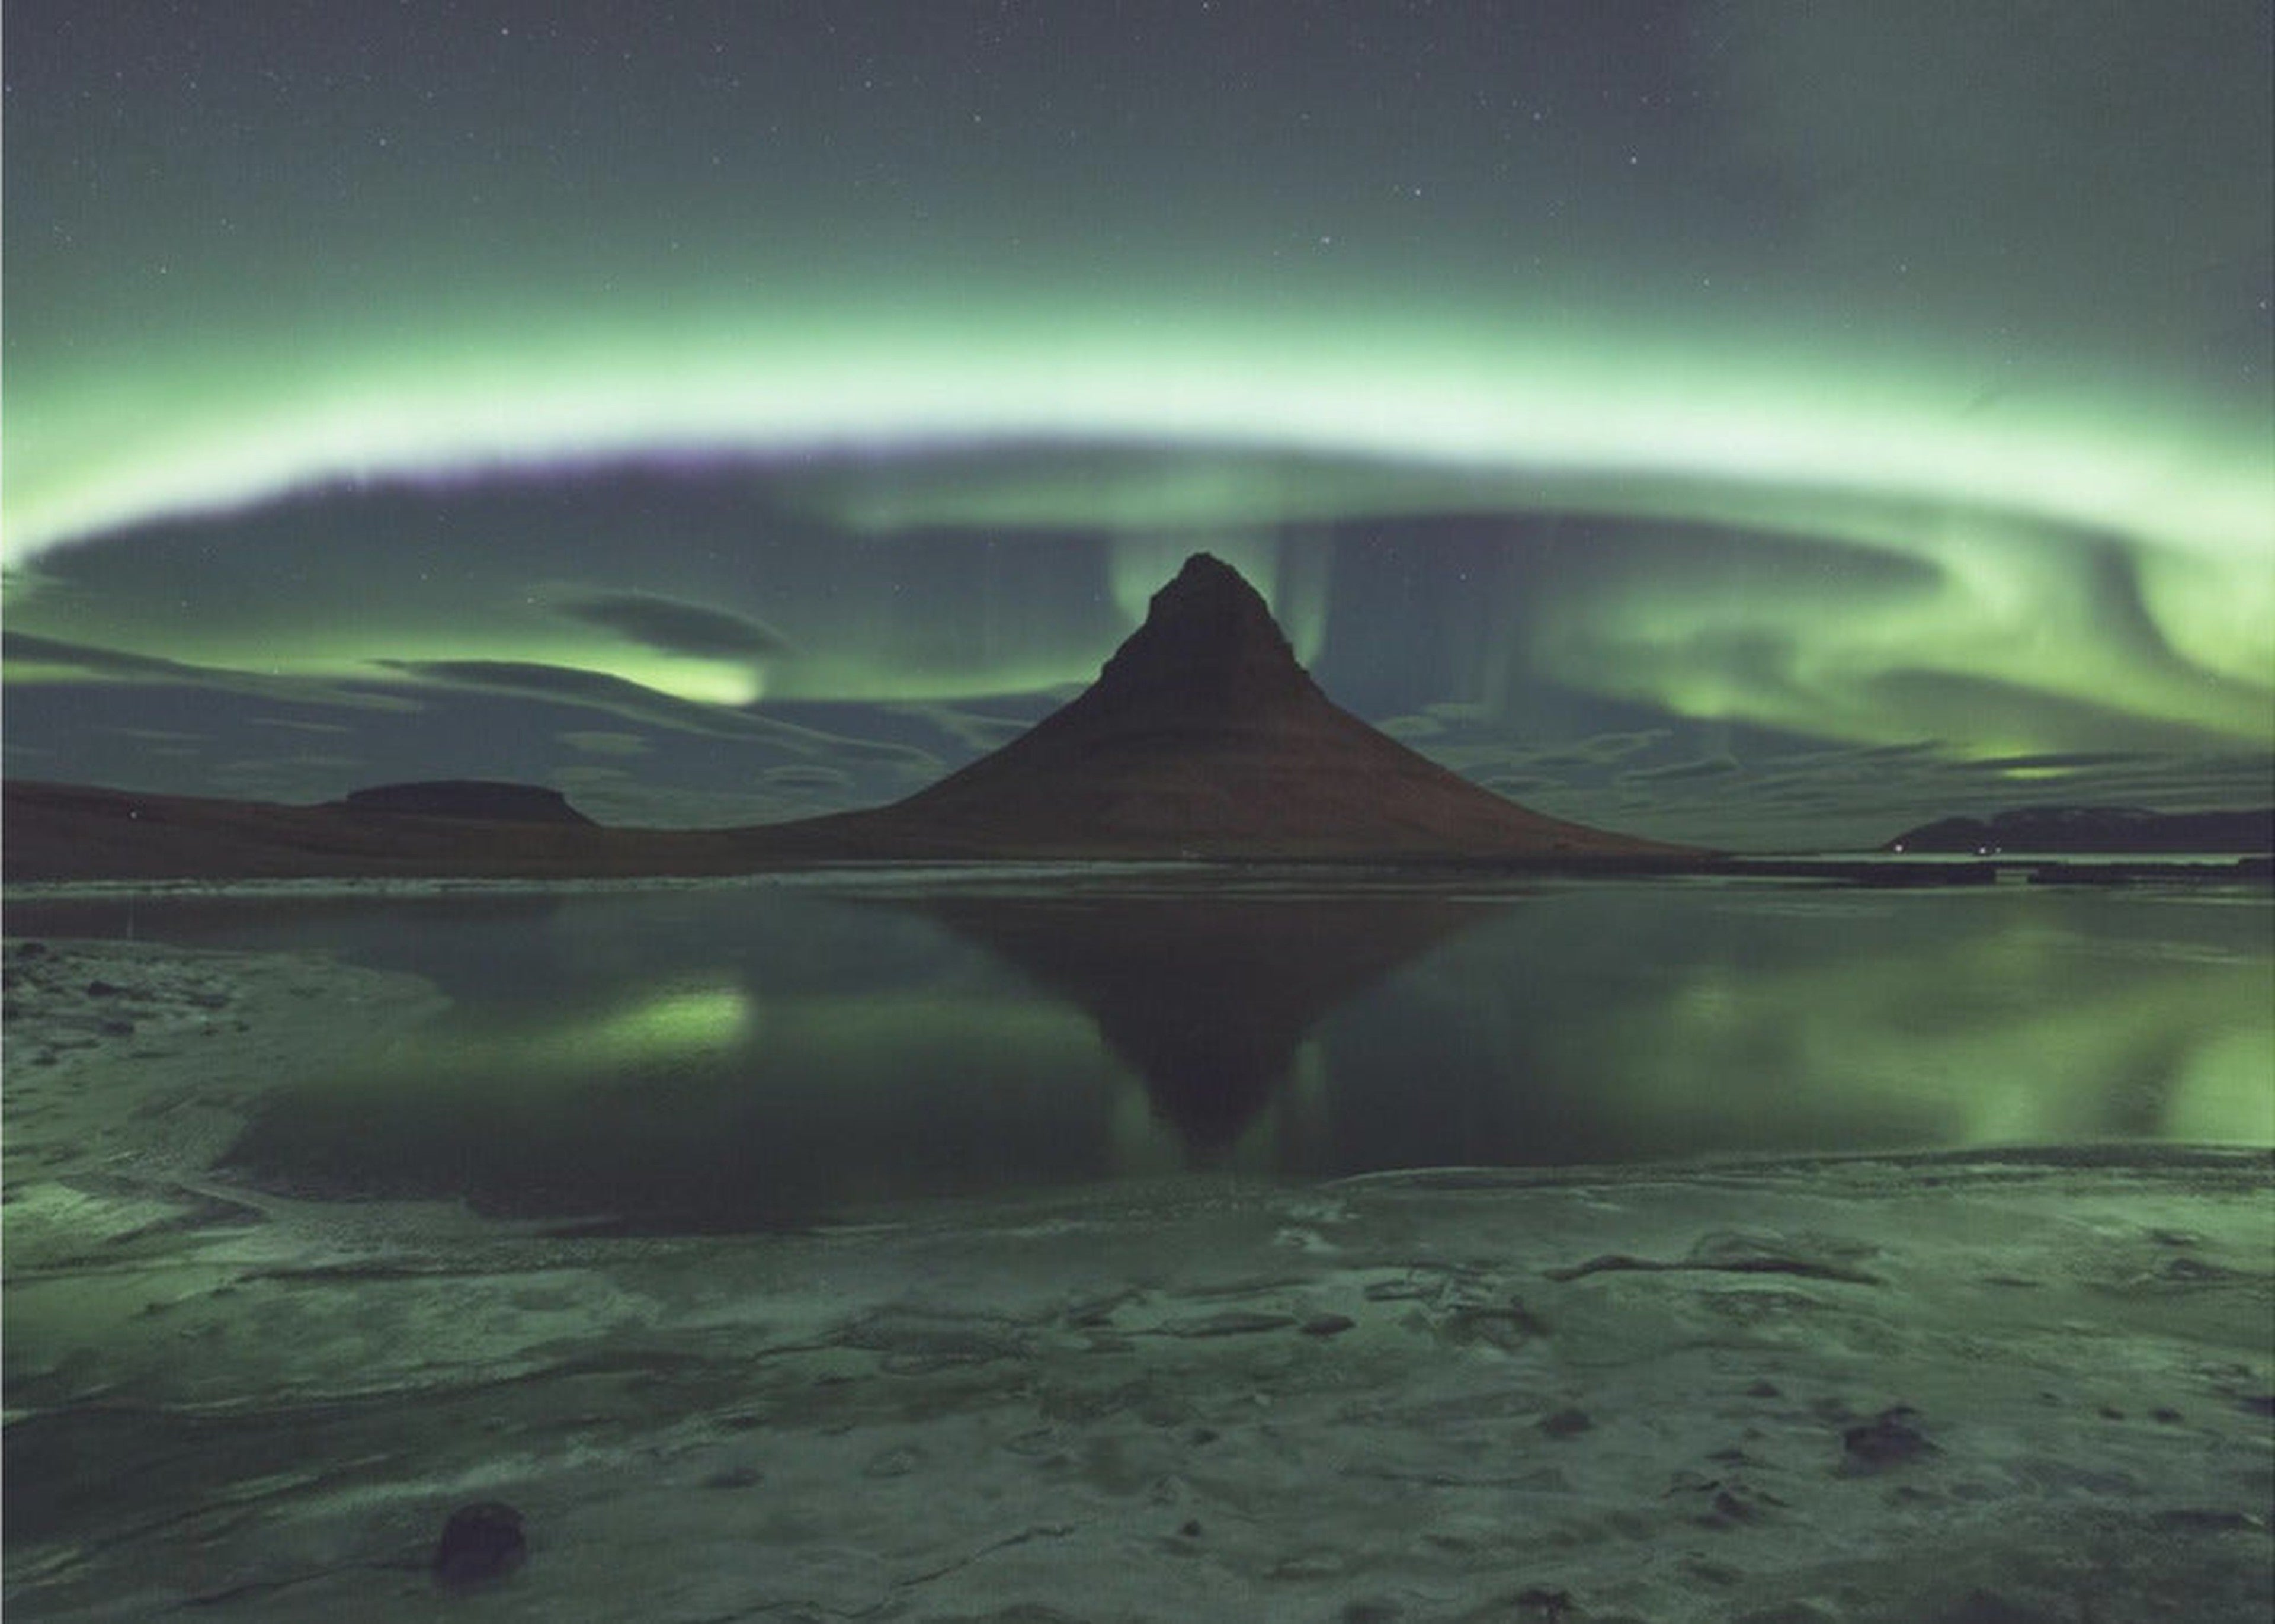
(1851, 448)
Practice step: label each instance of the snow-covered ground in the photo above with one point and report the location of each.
(1926, 1391)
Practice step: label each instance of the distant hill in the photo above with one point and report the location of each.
(2095, 828)
(467, 798)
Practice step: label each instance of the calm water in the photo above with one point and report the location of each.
(762, 1054)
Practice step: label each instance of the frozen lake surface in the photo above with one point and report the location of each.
(1033, 1248)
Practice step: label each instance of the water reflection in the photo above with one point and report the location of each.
(742, 1057)
(1208, 999)
(1620, 1025)
(783, 1071)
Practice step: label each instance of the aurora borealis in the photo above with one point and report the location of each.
(1757, 423)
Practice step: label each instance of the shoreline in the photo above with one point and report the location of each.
(179, 1042)
(63, 834)
(1890, 872)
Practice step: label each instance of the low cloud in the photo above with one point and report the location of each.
(597, 690)
(296, 726)
(1710, 766)
(1410, 729)
(597, 742)
(93, 662)
(671, 624)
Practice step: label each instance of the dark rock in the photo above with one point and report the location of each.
(1396, 1291)
(1541, 1602)
(1096, 1311)
(1988, 1607)
(1731, 1505)
(1329, 1325)
(1721, 1503)
(1233, 1322)
(104, 989)
(30, 949)
(1190, 1529)
(1508, 1329)
(1566, 1424)
(1888, 1439)
(1765, 1389)
(481, 1542)
(1372, 1610)
(2200, 1519)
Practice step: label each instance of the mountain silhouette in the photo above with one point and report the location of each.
(2094, 829)
(1207, 998)
(484, 799)
(1203, 736)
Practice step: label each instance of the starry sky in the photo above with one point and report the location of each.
(1763, 422)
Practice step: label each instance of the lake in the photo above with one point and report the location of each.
(775, 1053)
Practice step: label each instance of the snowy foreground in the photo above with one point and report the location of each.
(1926, 1392)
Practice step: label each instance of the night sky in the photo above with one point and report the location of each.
(1768, 424)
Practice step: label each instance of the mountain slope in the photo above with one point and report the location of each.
(1203, 736)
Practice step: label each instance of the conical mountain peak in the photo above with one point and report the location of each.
(1209, 641)
(1203, 735)
(1204, 585)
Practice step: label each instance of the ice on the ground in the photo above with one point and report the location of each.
(1932, 1391)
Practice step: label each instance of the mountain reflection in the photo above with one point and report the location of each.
(1207, 998)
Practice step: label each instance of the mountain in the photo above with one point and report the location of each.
(467, 798)
(72, 831)
(1203, 736)
(2094, 828)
